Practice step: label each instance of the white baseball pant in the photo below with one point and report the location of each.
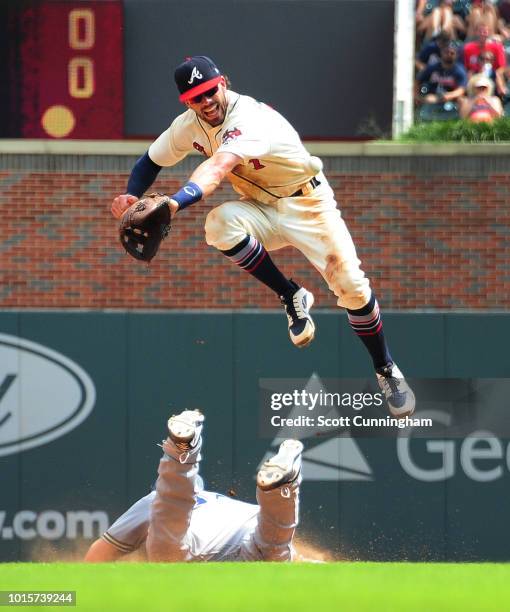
(311, 223)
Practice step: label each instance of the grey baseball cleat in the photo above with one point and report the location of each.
(283, 468)
(185, 429)
(297, 305)
(398, 394)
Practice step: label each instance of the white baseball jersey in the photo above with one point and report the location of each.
(273, 161)
(219, 526)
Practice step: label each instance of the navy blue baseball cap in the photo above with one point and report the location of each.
(196, 75)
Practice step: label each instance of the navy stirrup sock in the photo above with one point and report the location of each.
(367, 324)
(250, 255)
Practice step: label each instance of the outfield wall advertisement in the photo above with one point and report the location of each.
(84, 398)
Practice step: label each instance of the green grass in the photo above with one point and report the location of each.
(226, 587)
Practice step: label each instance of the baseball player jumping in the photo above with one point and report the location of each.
(284, 199)
(179, 521)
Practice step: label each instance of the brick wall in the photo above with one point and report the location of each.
(432, 232)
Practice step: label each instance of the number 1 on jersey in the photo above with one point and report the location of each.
(256, 164)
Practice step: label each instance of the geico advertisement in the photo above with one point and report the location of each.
(481, 456)
(52, 524)
(43, 394)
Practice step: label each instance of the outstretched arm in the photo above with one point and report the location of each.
(204, 180)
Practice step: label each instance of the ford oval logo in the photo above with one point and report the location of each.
(43, 394)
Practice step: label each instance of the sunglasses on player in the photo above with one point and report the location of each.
(207, 94)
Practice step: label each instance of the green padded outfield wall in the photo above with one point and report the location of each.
(84, 397)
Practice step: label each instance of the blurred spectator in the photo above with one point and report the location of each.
(483, 12)
(424, 29)
(504, 19)
(482, 51)
(444, 81)
(486, 65)
(480, 104)
(506, 98)
(430, 53)
(434, 16)
(462, 8)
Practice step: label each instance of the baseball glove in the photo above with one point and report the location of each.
(144, 225)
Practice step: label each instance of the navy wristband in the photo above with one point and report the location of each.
(187, 195)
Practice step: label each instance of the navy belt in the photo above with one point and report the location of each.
(313, 183)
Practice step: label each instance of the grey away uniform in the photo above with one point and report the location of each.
(179, 521)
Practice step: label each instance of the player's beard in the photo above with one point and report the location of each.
(215, 117)
(217, 111)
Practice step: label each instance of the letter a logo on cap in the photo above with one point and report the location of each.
(195, 75)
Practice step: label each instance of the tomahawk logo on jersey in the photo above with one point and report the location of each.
(230, 135)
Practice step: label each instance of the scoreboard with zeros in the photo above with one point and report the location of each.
(64, 69)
